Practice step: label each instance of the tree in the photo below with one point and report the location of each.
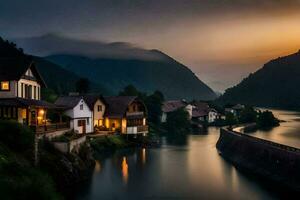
(248, 115)
(178, 122)
(129, 90)
(266, 119)
(82, 85)
(154, 103)
(230, 119)
(49, 95)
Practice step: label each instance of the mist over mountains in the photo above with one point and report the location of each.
(116, 65)
(49, 44)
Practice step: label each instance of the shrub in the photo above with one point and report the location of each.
(178, 122)
(266, 119)
(16, 136)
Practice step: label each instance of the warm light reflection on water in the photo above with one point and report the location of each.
(144, 156)
(125, 170)
(190, 169)
(97, 166)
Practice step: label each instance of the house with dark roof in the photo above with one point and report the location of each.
(173, 105)
(235, 109)
(204, 113)
(126, 114)
(20, 93)
(85, 112)
(88, 113)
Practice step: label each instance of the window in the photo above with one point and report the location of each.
(5, 85)
(34, 92)
(99, 108)
(88, 121)
(81, 106)
(22, 90)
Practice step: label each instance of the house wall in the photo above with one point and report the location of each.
(189, 109)
(98, 115)
(164, 117)
(35, 86)
(85, 114)
(212, 116)
(12, 92)
(22, 115)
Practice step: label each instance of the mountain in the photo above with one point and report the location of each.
(60, 80)
(115, 65)
(56, 77)
(276, 84)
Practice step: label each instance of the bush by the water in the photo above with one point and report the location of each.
(266, 119)
(109, 143)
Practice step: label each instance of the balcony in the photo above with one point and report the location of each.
(134, 114)
(48, 128)
(137, 129)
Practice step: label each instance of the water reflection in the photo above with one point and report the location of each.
(97, 166)
(287, 133)
(191, 170)
(144, 156)
(125, 170)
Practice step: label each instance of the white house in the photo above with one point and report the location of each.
(20, 92)
(80, 114)
(213, 115)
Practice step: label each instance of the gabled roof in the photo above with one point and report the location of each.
(14, 68)
(67, 102)
(238, 107)
(71, 101)
(25, 102)
(91, 100)
(170, 106)
(117, 105)
(199, 112)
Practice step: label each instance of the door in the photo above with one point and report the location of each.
(82, 124)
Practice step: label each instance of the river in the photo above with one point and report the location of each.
(287, 133)
(183, 168)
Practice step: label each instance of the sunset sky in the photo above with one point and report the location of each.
(222, 41)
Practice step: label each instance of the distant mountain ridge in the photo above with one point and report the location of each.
(57, 44)
(276, 84)
(115, 65)
(57, 78)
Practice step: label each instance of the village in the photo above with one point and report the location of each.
(79, 116)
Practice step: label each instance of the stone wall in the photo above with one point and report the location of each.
(273, 161)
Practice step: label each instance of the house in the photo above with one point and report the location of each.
(126, 114)
(202, 112)
(85, 112)
(20, 93)
(235, 109)
(213, 115)
(171, 106)
(89, 113)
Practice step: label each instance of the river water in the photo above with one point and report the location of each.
(183, 168)
(287, 133)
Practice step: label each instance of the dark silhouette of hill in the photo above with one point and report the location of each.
(276, 84)
(116, 65)
(56, 77)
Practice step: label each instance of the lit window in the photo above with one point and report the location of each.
(5, 85)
